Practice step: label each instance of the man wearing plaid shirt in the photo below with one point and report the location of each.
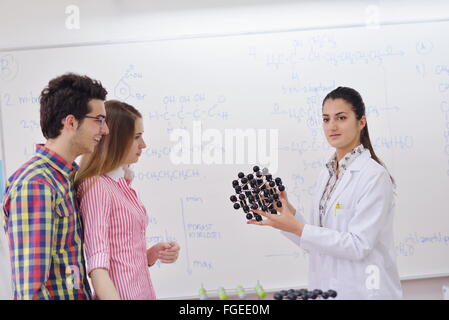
(40, 209)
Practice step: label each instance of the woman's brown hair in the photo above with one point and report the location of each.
(113, 148)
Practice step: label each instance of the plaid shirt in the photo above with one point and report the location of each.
(45, 230)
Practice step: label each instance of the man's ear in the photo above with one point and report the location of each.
(70, 122)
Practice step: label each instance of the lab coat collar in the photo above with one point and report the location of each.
(358, 163)
(346, 161)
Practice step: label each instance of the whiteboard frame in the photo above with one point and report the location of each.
(425, 276)
(215, 35)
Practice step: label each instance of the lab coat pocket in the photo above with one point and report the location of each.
(342, 217)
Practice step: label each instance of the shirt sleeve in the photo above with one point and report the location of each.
(30, 233)
(95, 212)
(293, 237)
(373, 207)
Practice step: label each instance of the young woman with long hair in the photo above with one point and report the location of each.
(349, 236)
(115, 220)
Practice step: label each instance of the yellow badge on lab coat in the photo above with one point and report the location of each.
(337, 207)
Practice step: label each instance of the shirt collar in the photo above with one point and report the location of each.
(116, 174)
(344, 163)
(56, 161)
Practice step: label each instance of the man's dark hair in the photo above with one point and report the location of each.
(64, 95)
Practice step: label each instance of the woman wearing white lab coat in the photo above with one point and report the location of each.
(349, 237)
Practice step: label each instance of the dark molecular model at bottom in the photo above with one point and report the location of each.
(304, 294)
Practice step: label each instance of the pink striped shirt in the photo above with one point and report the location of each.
(115, 221)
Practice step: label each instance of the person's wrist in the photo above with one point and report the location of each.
(299, 227)
(151, 257)
(291, 208)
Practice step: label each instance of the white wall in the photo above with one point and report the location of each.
(28, 24)
(39, 23)
(423, 289)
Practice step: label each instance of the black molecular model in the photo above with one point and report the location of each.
(255, 191)
(304, 294)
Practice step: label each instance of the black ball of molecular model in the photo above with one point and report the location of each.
(304, 294)
(257, 191)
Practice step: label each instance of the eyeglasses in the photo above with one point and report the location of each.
(100, 119)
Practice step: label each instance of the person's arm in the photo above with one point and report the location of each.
(354, 244)
(103, 285)
(30, 232)
(368, 220)
(95, 211)
(286, 221)
(166, 252)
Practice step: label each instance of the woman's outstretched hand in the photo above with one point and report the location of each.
(284, 221)
(166, 252)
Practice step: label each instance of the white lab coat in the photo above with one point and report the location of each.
(353, 253)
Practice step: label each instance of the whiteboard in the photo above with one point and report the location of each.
(261, 82)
